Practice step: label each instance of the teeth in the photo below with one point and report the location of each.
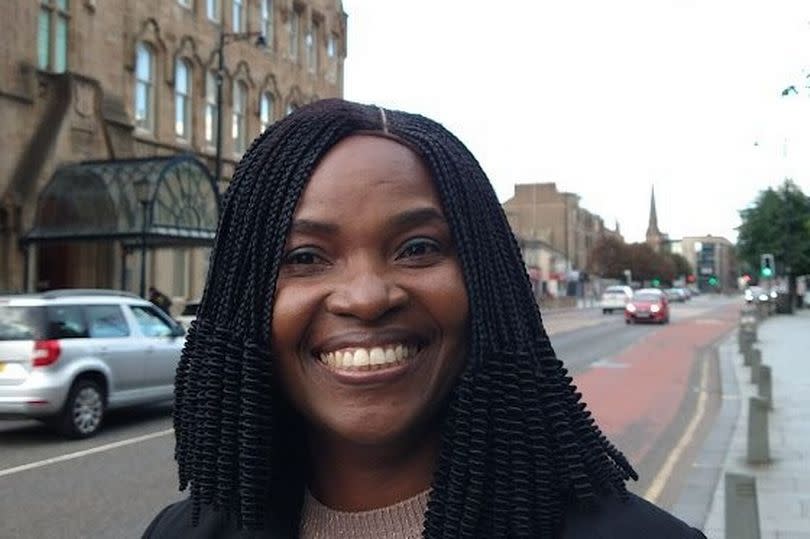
(368, 359)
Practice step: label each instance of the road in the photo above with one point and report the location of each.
(650, 388)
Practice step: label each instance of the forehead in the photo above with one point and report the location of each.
(366, 169)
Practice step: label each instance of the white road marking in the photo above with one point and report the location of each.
(84, 453)
(659, 482)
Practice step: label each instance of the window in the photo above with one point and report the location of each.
(106, 321)
(213, 9)
(295, 22)
(312, 47)
(66, 322)
(239, 107)
(266, 107)
(267, 22)
(152, 324)
(210, 108)
(331, 46)
(52, 35)
(238, 15)
(291, 108)
(144, 87)
(185, 3)
(182, 99)
(180, 272)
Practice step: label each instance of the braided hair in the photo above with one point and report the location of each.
(518, 447)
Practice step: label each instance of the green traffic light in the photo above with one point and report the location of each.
(767, 272)
(656, 282)
(713, 281)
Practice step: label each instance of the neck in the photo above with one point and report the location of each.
(353, 477)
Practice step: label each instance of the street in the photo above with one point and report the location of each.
(649, 386)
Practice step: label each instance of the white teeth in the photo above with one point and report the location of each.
(368, 359)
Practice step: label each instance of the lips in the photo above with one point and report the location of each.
(369, 358)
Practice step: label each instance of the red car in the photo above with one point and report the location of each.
(647, 305)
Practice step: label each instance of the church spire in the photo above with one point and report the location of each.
(652, 228)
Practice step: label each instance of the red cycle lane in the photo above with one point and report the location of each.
(636, 394)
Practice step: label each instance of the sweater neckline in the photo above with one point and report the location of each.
(402, 520)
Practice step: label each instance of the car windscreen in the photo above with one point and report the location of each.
(21, 323)
(614, 290)
(653, 298)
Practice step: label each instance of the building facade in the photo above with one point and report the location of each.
(714, 260)
(538, 211)
(112, 81)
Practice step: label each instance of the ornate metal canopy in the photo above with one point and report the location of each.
(97, 200)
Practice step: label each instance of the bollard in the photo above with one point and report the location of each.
(756, 362)
(758, 447)
(745, 340)
(747, 357)
(764, 385)
(742, 510)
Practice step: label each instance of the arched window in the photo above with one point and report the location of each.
(238, 127)
(266, 108)
(210, 108)
(182, 99)
(144, 87)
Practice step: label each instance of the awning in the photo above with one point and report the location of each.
(96, 200)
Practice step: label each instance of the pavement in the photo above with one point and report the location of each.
(783, 484)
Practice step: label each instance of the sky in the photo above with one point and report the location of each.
(606, 98)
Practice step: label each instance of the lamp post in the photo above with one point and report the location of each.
(224, 39)
(143, 192)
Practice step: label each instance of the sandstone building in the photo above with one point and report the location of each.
(95, 95)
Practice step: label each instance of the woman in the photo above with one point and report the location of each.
(368, 359)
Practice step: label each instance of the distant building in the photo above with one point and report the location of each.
(130, 84)
(714, 261)
(655, 238)
(538, 211)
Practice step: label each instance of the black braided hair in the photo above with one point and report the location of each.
(518, 446)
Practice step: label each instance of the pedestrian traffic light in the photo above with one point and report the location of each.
(766, 265)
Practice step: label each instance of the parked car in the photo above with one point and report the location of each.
(615, 298)
(188, 313)
(648, 305)
(676, 295)
(68, 356)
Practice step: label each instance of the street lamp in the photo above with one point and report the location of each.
(224, 39)
(143, 192)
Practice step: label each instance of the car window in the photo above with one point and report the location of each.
(21, 323)
(615, 290)
(66, 322)
(647, 297)
(151, 323)
(190, 309)
(106, 321)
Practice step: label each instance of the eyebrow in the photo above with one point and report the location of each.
(406, 219)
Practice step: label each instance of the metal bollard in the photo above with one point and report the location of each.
(764, 386)
(756, 363)
(758, 447)
(747, 354)
(745, 340)
(742, 510)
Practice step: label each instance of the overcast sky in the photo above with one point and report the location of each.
(604, 97)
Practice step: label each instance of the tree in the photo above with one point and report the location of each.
(682, 266)
(608, 258)
(779, 223)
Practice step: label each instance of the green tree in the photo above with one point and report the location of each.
(608, 258)
(682, 266)
(778, 222)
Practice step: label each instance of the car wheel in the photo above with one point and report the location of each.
(84, 410)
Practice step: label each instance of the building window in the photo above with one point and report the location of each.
(214, 9)
(295, 23)
(239, 106)
(179, 287)
(238, 15)
(144, 87)
(291, 108)
(312, 47)
(267, 22)
(210, 107)
(182, 100)
(266, 107)
(185, 3)
(52, 35)
(331, 46)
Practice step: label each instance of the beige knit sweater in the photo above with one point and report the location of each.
(403, 520)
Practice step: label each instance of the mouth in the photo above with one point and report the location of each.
(363, 359)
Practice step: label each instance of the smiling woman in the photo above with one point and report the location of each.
(368, 360)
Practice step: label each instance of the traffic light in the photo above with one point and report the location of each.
(713, 280)
(656, 281)
(691, 278)
(766, 265)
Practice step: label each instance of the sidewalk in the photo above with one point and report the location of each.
(783, 485)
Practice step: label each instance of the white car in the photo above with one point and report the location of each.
(615, 298)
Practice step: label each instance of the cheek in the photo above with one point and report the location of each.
(292, 308)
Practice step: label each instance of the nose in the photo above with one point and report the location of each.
(366, 293)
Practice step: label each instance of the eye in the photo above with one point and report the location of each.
(304, 256)
(419, 247)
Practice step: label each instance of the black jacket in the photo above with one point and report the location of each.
(611, 519)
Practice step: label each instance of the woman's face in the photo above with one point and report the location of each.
(370, 315)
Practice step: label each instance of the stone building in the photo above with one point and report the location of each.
(714, 260)
(538, 211)
(97, 95)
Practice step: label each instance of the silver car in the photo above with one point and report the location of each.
(68, 356)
